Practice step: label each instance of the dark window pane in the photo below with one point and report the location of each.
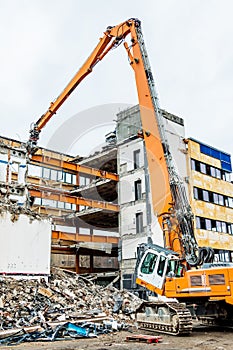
(136, 158)
(138, 189)
(213, 223)
(211, 197)
(229, 229)
(139, 222)
(198, 168)
(226, 201)
(200, 194)
(208, 169)
(202, 222)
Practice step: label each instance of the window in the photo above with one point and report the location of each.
(198, 166)
(53, 175)
(208, 224)
(230, 200)
(161, 266)
(68, 206)
(211, 197)
(59, 175)
(198, 194)
(34, 170)
(208, 169)
(195, 193)
(212, 171)
(224, 227)
(148, 264)
(83, 180)
(229, 229)
(219, 226)
(193, 164)
(228, 177)
(60, 205)
(37, 201)
(205, 195)
(214, 225)
(138, 189)
(220, 199)
(198, 222)
(136, 158)
(139, 222)
(218, 173)
(203, 168)
(68, 178)
(46, 173)
(215, 197)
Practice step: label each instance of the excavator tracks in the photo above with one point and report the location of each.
(170, 318)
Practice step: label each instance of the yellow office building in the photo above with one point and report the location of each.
(211, 196)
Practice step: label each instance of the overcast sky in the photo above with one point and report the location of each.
(44, 42)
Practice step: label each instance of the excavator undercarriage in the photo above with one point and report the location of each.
(176, 318)
(171, 318)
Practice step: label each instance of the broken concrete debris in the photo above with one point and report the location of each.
(66, 305)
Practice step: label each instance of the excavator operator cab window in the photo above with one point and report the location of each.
(172, 268)
(149, 262)
(161, 266)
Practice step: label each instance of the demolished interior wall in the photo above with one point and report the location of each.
(24, 245)
(25, 236)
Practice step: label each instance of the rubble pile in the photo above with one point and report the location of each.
(65, 297)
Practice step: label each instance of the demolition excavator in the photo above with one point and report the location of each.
(180, 270)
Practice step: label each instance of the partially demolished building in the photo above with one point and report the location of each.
(83, 230)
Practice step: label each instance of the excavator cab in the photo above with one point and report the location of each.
(155, 263)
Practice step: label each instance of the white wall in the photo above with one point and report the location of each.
(127, 189)
(24, 245)
(175, 134)
(125, 155)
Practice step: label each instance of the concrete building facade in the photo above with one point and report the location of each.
(137, 221)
